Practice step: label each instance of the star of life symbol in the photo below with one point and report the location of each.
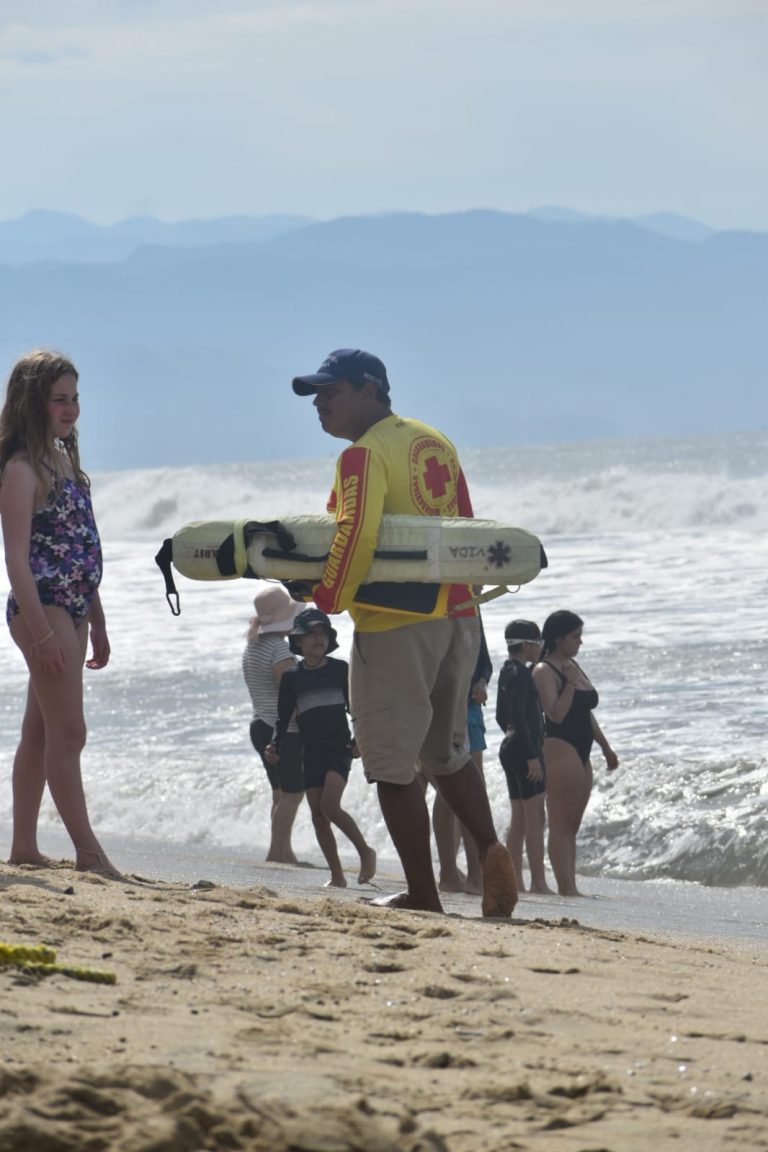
(499, 554)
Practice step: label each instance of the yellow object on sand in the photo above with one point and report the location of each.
(21, 954)
(41, 961)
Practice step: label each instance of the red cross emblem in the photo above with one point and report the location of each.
(433, 477)
(436, 477)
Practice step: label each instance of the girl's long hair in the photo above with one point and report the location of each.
(24, 416)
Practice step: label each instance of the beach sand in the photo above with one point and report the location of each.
(264, 1017)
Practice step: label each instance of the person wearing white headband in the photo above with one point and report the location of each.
(518, 714)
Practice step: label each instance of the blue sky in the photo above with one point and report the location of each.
(185, 108)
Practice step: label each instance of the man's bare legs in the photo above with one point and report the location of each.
(406, 816)
(465, 793)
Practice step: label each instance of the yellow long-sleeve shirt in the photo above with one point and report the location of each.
(399, 466)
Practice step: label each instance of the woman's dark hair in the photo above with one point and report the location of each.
(557, 625)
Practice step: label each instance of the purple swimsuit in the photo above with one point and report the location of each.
(64, 551)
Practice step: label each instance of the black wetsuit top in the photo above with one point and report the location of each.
(576, 726)
(518, 708)
(320, 699)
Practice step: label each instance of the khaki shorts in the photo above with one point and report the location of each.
(408, 697)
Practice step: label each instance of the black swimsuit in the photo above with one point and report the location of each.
(576, 726)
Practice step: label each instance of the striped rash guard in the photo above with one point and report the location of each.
(403, 467)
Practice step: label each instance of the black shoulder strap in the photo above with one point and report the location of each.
(163, 560)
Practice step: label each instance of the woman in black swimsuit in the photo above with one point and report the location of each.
(568, 699)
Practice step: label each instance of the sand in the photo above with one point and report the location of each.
(257, 1019)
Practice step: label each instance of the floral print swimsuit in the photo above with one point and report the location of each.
(64, 551)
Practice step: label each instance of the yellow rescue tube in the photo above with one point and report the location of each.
(409, 548)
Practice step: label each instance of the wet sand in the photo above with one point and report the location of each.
(274, 1015)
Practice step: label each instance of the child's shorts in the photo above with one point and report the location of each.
(318, 763)
(515, 766)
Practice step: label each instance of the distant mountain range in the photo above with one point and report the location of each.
(40, 235)
(500, 328)
(59, 236)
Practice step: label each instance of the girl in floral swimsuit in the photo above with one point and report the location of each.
(53, 558)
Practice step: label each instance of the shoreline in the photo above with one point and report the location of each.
(265, 1018)
(658, 906)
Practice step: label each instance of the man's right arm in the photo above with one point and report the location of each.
(359, 503)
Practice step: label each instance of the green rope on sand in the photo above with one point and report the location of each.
(41, 961)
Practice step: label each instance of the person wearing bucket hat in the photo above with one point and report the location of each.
(305, 621)
(265, 659)
(316, 692)
(415, 644)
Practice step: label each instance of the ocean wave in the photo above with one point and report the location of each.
(707, 823)
(574, 489)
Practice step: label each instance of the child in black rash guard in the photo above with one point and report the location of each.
(316, 690)
(519, 715)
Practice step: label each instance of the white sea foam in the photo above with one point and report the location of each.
(597, 488)
(660, 547)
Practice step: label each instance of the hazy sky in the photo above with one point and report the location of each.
(187, 108)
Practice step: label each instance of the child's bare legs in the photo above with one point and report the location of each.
(325, 837)
(55, 707)
(516, 837)
(333, 790)
(28, 785)
(534, 818)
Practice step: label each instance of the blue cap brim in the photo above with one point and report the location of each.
(306, 385)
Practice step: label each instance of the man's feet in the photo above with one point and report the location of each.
(499, 883)
(367, 866)
(403, 901)
(339, 881)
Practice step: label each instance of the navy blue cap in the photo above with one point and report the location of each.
(344, 364)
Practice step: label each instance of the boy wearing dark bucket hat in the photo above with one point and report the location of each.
(415, 644)
(316, 692)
